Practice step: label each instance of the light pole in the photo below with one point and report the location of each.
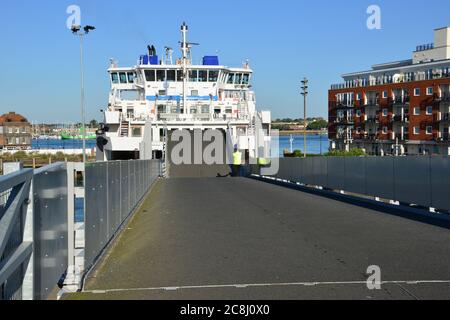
(304, 93)
(76, 30)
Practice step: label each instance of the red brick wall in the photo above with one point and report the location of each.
(421, 101)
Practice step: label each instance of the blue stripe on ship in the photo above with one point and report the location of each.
(179, 98)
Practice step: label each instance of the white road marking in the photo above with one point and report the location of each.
(260, 285)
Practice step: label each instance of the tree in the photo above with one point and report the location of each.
(93, 123)
(318, 125)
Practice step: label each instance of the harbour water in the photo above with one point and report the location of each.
(39, 144)
(316, 144)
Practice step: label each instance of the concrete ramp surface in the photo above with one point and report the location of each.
(232, 238)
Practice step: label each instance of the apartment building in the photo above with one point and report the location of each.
(15, 132)
(396, 108)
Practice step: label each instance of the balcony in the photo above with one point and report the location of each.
(373, 119)
(373, 102)
(402, 119)
(345, 121)
(443, 137)
(403, 100)
(400, 138)
(445, 117)
(443, 97)
(341, 105)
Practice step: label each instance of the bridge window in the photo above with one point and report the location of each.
(131, 77)
(203, 76)
(115, 78)
(171, 75)
(205, 109)
(213, 76)
(238, 78)
(246, 78)
(230, 78)
(123, 77)
(160, 75)
(179, 76)
(193, 75)
(150, 75)
(161, 109)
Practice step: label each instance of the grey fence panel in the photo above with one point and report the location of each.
(96, 199)
(440, 182)
(380, 177)
(308, 171)
(50, 191)
(418, 180)
(113, 197)
(336, 173)
(355, 175)
(285, 169)
(113, 191)
(412, 180)
(125, 190)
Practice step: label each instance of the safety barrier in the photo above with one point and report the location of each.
(42, 243)
(422, 181)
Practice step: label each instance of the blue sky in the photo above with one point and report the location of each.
(284, 41)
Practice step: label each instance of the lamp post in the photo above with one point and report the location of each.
(304, 93)
(76, 30)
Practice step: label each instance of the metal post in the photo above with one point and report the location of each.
(304, 93)
(83, 112)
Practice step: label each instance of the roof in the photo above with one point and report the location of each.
(12, 117)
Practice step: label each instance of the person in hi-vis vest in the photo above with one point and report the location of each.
(237, 162)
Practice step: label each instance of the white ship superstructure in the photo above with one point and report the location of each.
(162, 95)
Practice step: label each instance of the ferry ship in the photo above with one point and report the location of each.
(159, 95)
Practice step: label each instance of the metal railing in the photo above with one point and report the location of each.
(414, 180)
(16, 246)
(42, 244)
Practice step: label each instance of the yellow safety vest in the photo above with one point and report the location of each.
(237, 158)
(263, 161)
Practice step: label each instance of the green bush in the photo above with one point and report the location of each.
(351, 153)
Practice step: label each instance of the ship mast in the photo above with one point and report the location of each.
(184, 48)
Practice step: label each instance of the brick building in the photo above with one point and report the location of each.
(396, 108)
(15, 132)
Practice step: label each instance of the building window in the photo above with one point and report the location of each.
(417, 92)
(358, 96)
(417, 111)
(416, 130)
(385, 130)
(358, 113)
(430, 91)
(429, 111)
(137, 132)
(385, 94)
(385, 112)
(429, 130)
